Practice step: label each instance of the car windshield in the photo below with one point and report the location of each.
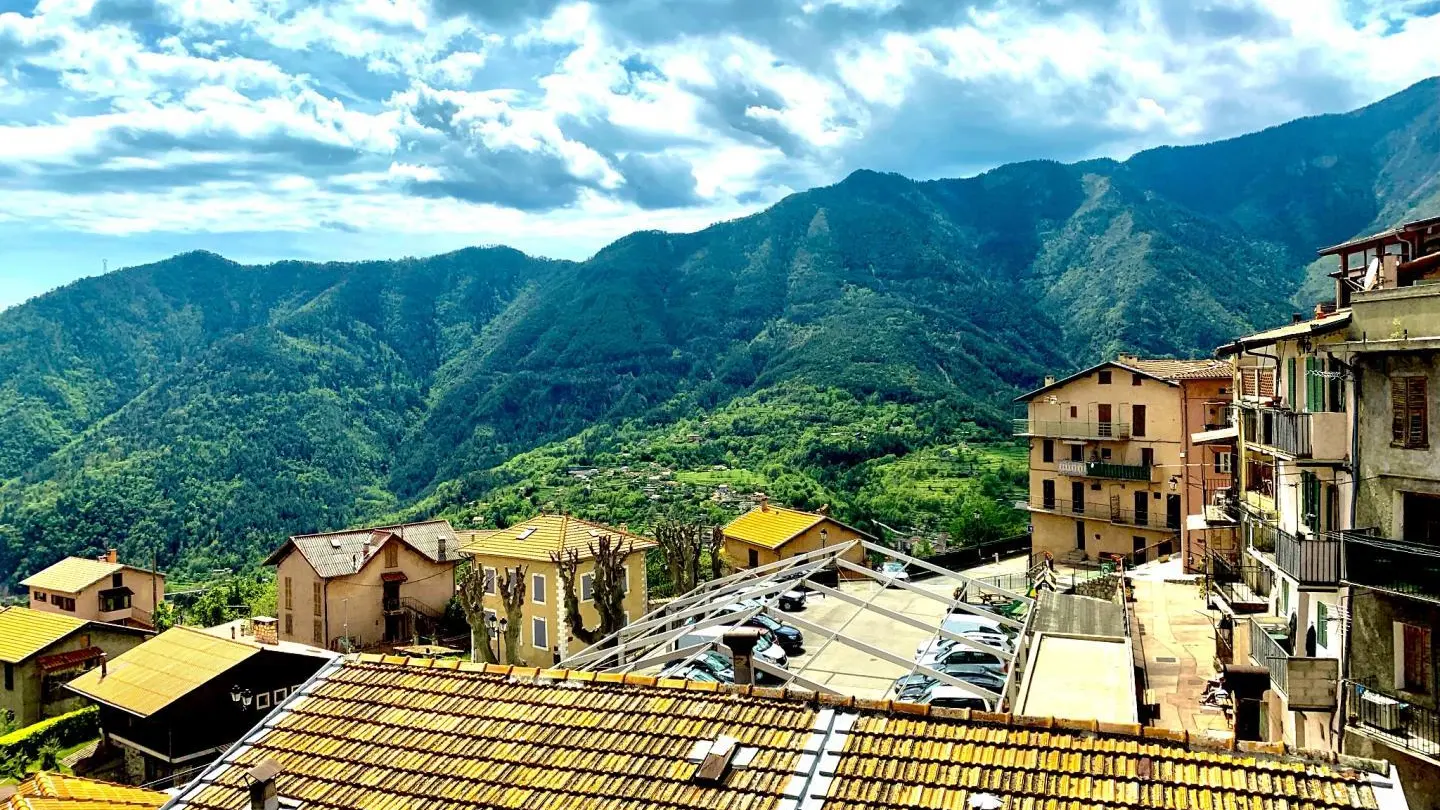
(715, 661)
(893, 567)
(765, 621)
(763, 643)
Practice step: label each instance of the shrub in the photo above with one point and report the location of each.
(27, 744)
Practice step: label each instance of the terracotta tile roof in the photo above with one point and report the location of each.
(535, 538)
(409, 733)
(53, 791)
(334, 554)
(24, 632)
(145, 679)
(72, 575)
(1204, 369)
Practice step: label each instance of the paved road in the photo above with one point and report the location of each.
(1177, 641)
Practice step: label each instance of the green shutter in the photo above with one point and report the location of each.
(1322, 624)
(1314, 394)
(1290, 383)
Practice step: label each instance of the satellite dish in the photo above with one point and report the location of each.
(1372, 274)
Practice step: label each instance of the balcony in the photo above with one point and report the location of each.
(1146, 519)
(1073, 429)
(1308, 684)
(1392, 720)
(1396, 566)
(1313, 560)
(1268, 652)
(1285, 432)
(1104, 469)
(1244, 584)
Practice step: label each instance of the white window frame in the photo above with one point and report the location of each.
(262, 700)
(590, 577)
(1225, 462)
(491, 580)
(279, 695)
(538, 595)
(626, 569)
(543, 633)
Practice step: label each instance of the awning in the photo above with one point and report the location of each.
(1225, 434)
(68, 660)
(393, 576)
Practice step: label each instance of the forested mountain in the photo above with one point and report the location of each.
(849, 345)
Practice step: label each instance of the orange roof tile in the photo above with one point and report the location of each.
(53, 791)
(391, 732)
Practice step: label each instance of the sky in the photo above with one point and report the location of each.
(131, 130)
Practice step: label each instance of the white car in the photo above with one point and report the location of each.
(895, 571)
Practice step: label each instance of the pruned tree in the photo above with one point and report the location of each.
(680, 543)
(511, 585)
(716, 546)
(472, 600)
(607, 587)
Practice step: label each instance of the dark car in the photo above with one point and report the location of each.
(912, 687)
(791, 640)
(722, 667)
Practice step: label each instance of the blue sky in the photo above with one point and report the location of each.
(264, 129)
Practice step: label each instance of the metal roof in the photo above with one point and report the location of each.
(1081, 615)
(538, 537)
(24, 632)
(147, 678)
(1319, 326)
(338, 554)
(1414, 225)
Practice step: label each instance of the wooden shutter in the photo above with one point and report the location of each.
(1314, 388)
(1417, 658)
(1417, 434)
(1397, 410)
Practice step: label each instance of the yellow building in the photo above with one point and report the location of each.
(1113, 469)
(370, 586)
(769, 533)
(544, 633)
(102, 590)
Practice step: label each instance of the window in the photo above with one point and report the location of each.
(1104, 377)
(1284, 597)
(1147, 457)
(114, 601)
(117, 580)
(490, 581)
(587, 586)
(1223, 462)
(537, 588)
(1322, 624)
(9, 677)
(289, 624)
(63, 602)
(1408, 426)
(1412, 663)
(1047, 451)
(278, 695)
(39, 596)
(1104, 454)
(625, 581)
(1135, 379)
(317, 633)
(289, 594)
(1137, 420)
(1074, 411)
(1077, 452)
(262, 700)
(315, 598)
(392, 556)
(539, 637)
(754, 558)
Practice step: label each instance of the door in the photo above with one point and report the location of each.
(1172, 511)
(1142, 508)
(1103, 417)
(754, 558)
(1047, 494)
(1080, 535)
(1137, 549)
(394, 621)
(1077, 497)
(1137, 420)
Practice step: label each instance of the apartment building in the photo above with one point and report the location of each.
(362, 588)
(1113, 465)
(545, 635)
(1391, 552)
(98, 590)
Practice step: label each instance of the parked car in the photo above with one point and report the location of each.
(914, 687)
(966, 624)
(790, 638)
(693, 672)
(723, 668)
(895, 570)
(765, 646)
(789, 601)
(964, 656)
(944, 696)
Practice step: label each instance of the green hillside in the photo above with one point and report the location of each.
(856, 345)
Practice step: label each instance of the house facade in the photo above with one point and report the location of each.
(40, 652)
(179, 699)
(769, 533)
(545, 635)
(362, 588)
(1114, 469)
(100, 590)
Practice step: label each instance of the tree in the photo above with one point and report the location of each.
(511, 585)
(471, 597)
(681, 543)
(715, 545)
(608, 587)
(164, 616)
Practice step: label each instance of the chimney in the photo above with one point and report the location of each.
(741, 641)
(823, 510)
(267, 630)
(110, 555)
(104, 670)
(764, 501)
(1127, 359)
(440, 552)
(1049, 379)
(263, 793)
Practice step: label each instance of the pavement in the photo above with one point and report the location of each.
(1177, 645)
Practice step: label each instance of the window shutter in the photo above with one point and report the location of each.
(1290, 383)
(1322, 623)
(1416, 412)
(1397, 410)
(1314, 394)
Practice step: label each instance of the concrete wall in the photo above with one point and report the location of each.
(26, 700)
(1413, 470)
(552, 609)
(1419, 778)
(737, 552)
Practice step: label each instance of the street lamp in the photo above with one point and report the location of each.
(242, 696)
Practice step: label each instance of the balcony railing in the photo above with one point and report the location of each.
(1285, 431)
(1145, 519)
(1313, 560)
(1397, 566)
(1392, 720)
(1268, 653)
(1243, 583)
(1072, 429)
(1104, 469)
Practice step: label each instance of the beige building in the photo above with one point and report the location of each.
(770, 533)
(364, 587)
(545, 637)
(1113, 465)
(102, 590)
(41, 651)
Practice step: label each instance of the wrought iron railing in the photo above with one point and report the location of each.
(1268, 653)
(1072, 429)
(1244, 583)
(1392, 719)
(1105, 469)
(1312, 560)
(1397, 566)
(1145, 519)
(1286, 431)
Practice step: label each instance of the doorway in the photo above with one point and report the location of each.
(394, 621)
(1172, 511)
(1104, 417)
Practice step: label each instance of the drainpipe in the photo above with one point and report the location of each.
(1347, 597)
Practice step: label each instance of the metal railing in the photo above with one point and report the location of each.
(1243, 583)
(1286, 431)
(1104, 469)
(1268, 653)
(1398, 723)
(1145, 519)
(1313, 560)
(1072, 429)
(1397, 566)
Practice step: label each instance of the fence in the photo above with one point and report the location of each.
(1145, 519)
(1396, 722)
